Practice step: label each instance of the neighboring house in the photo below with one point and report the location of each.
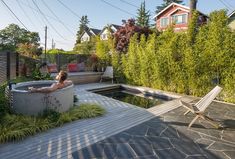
(108, 30)
(178, 15)
(231, 20)
(87, 34)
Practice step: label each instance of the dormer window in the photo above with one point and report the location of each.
(179, 19)
(164, 21)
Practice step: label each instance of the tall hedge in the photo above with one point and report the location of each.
(190, 62)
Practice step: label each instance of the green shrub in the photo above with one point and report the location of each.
(86, 111)
(4, 103)
(191, 62)
(17, 127)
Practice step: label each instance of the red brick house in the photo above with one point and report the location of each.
(178, 15)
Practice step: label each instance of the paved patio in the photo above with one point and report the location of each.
(167, 136)
(127, 131)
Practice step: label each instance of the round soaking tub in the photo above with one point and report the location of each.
(28, 103)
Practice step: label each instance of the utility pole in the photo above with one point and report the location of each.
(45, 44)
(52, 44)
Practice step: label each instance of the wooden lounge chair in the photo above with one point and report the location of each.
(108, 73)
(199, 107)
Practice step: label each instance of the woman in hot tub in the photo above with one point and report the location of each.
(62, 82)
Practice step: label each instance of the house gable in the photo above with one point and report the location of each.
(173, 6)
(106, 31)
(178, 15)
(85, 37)
(173, 14)
(87, 34)
(104, 34)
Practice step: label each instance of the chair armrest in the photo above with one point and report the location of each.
(189, 106)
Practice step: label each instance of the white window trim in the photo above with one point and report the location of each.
(186, 22)
(168, 22)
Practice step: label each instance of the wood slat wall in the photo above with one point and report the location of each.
(3, 67)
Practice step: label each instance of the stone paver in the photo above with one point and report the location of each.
(167, 137)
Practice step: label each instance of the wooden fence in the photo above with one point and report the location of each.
(9, 66)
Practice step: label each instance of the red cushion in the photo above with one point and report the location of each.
(72, 67)
(52, 68)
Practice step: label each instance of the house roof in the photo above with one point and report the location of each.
(91, 32)
(185, 8)
(116, 26)
(94, 31)
(111, 25)
(231, 14)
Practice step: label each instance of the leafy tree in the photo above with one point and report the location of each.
(82, 27)
(190, 62)
(29, 50)
(102, 51)
(87, 47)
(143, 16)
(220, 46)
(166, 3)
(131, 62)
(15, 38)
(193, 27)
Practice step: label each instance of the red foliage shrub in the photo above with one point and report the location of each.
(123, 35)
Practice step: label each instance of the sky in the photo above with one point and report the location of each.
(63, 21)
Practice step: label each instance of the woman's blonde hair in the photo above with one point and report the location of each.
(63, 76)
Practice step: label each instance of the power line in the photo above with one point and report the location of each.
(229, 4)
(117, 8)
(32, 9)
(69, 9)
(74, 13)
(129, 3)
(25, 13)
(135, 6)
(14, 14)
(57, 17)
(226, 5)
(48, 20)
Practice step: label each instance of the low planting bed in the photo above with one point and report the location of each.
(17, 127)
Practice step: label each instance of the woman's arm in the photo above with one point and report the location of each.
(68, 82)
(52, 88)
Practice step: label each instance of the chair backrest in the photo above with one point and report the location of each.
(108, 72)
(207, 99)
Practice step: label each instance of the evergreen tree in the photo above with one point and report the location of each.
(143, 16)
(82, 27)
(166, 3)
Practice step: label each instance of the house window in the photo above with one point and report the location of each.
(104, 36)
(179, 19)
(164, 22)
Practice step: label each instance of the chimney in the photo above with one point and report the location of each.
(193, 6)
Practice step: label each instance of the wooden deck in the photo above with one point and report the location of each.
(61, 142)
